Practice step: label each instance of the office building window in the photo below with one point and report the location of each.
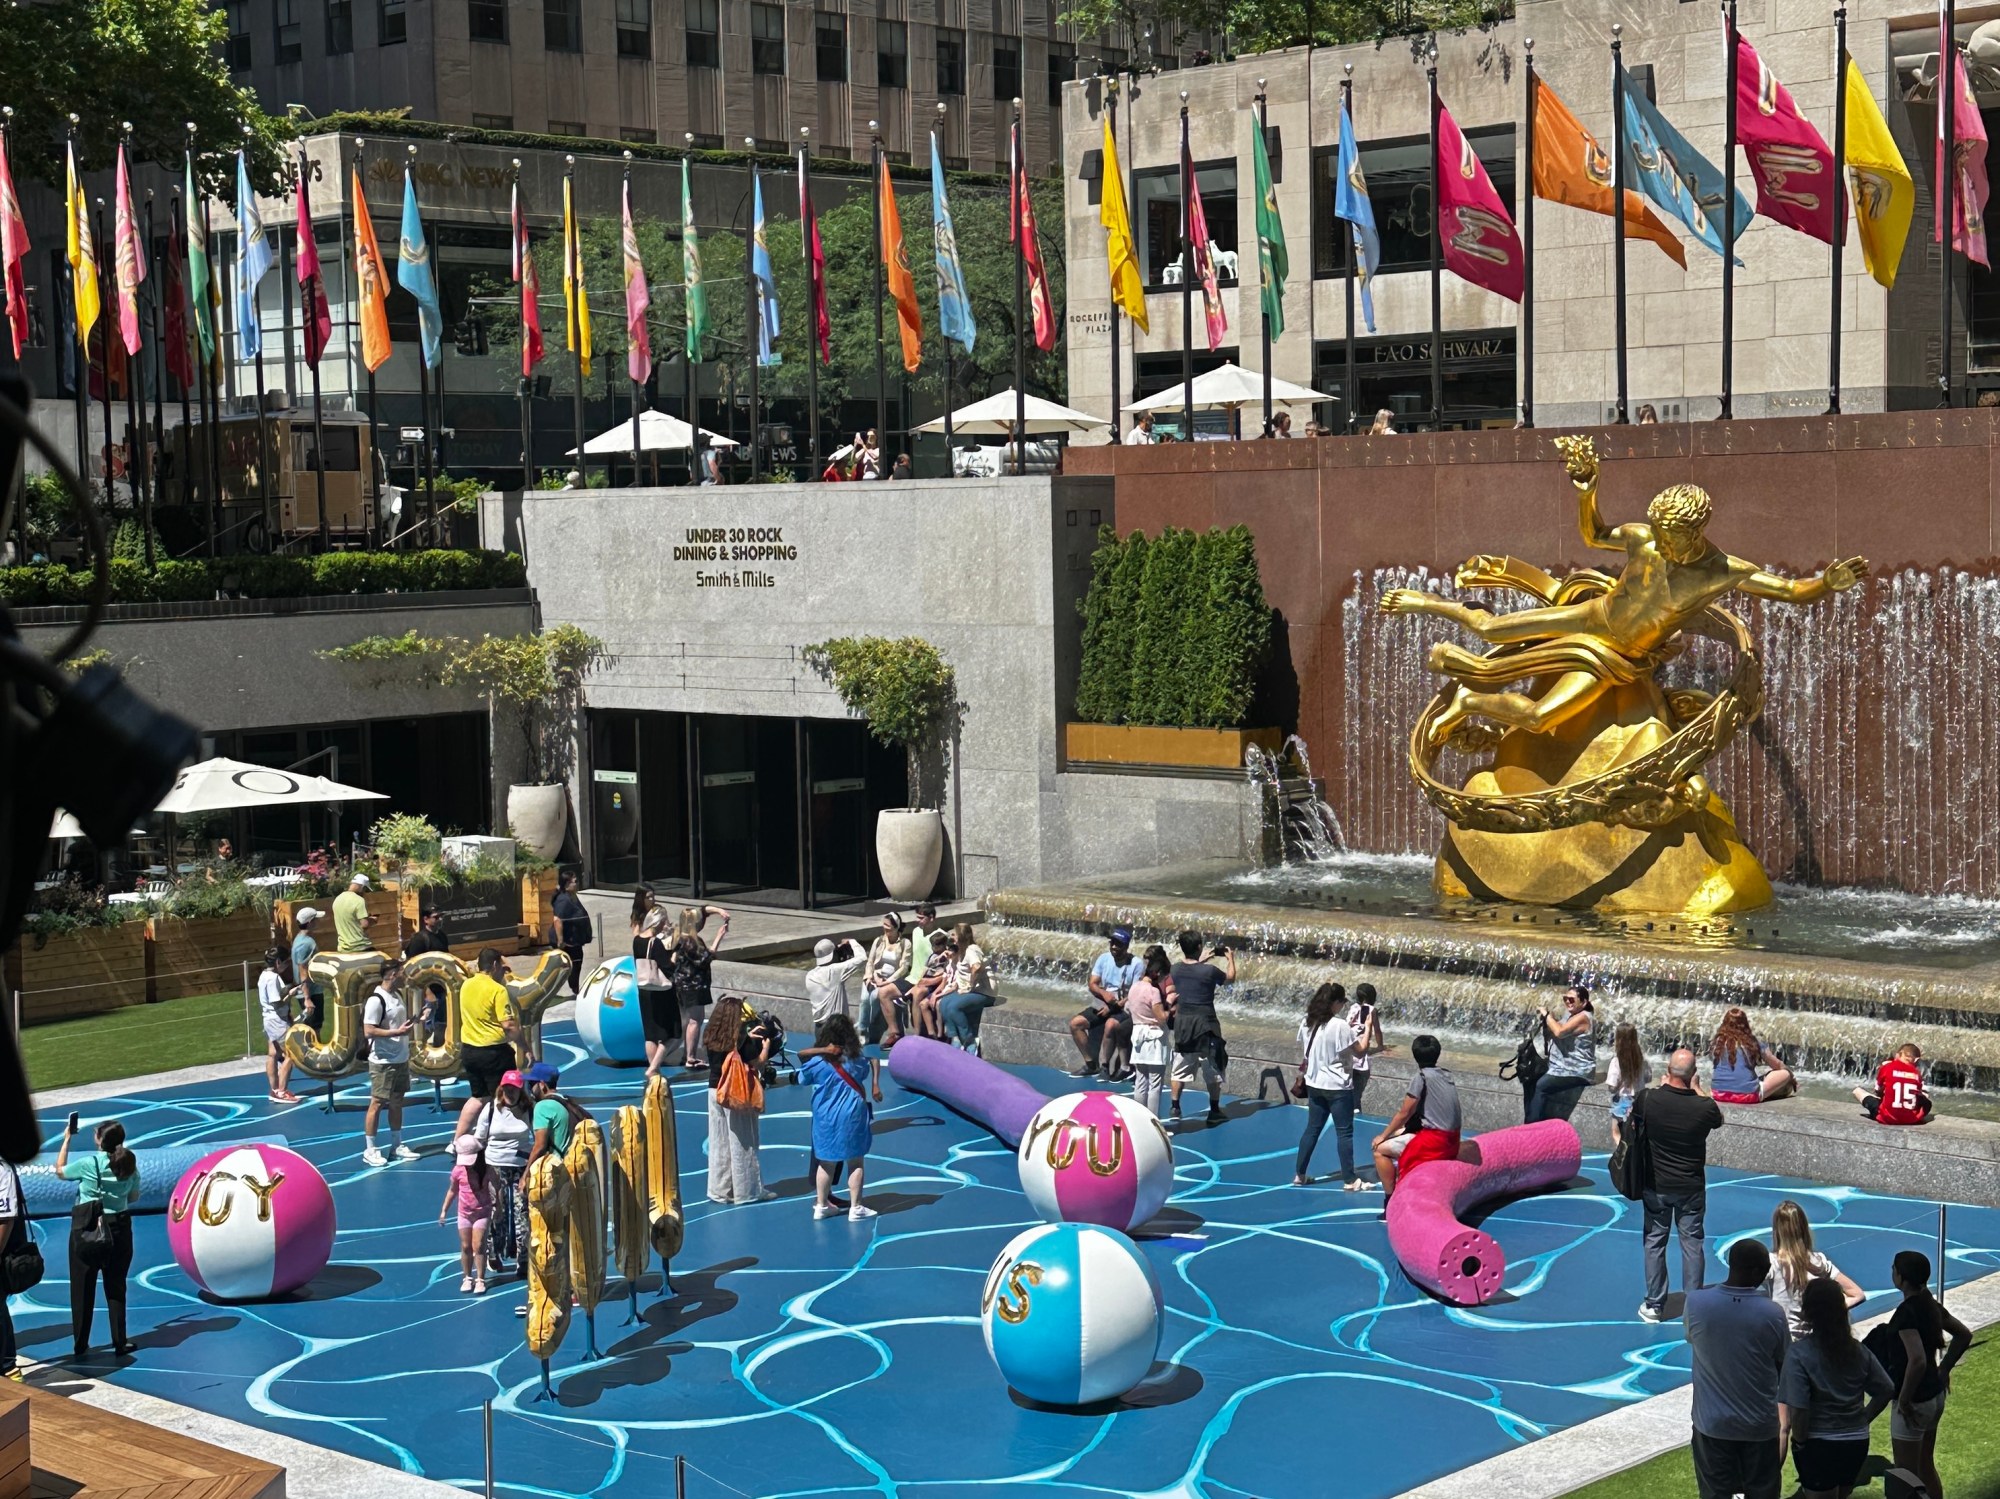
(635, 28)
(1006, 68)
(950, 62)
(236, 51)
(487, 20)
(705, 143)
(830, 45)
(1110, 60)
(704, 44)
(892, 54)
(392, 23)
(767, 39)
(1156, 211)
(286, 14)
(339, 27)
(1398, 175)
(565, 127)
(637, 136)
(562, 25)
(1062, 68)
(493, 122)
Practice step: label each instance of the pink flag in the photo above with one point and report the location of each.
(13, 255)
(130, 264)
(1796, 178)
(638, 336)
(1968, 178)
(312, 286)
(1478, 237)
(1204, 261)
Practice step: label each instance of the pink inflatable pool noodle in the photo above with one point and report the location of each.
(1464, 1265)
(970, 1085)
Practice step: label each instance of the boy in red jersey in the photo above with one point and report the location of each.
(1899, 1096)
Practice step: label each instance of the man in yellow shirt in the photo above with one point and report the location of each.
(351, 919)
(489, 1028)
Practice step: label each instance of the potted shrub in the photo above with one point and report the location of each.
(906, 691)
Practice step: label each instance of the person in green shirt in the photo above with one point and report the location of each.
(107, 1179)
(554, 1118)
(350, 917)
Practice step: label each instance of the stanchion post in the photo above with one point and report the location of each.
(249, 1031)
(680, 1476)
(1942, 1211)
(486, 1419)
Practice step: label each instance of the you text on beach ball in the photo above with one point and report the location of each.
(607, 1013)
(251, 1221)
(1072, 1314)
(1096, 1158)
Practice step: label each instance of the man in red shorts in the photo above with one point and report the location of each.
(1426, 1123)
(1899, 1096)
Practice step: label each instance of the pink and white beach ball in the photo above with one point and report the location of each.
(250, 1221)
(1096, 1158)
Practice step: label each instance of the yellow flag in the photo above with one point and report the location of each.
(82, 256)
(1884, 195)
(576, 300)
(1128, 288)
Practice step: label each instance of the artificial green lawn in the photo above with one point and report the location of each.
(135, 1041)
(1968, 1445)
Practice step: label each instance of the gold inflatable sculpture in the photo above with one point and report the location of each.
(548, 1192)
(1594, 795)
(585, 1162)
(645, 1189)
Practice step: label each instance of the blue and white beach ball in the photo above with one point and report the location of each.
(1072, 1314)
(607, 1013)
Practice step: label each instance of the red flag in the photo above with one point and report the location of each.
(1967, 191)
(13, 250)
(531, 289)
(129, 263)
(1478, 237)
(815, 266)
(1797, 182)
(1021, 231)
(179, 352)
(312, 285)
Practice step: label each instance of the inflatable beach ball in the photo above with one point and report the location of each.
(1096, 1158)
(607, 1013)
(250, 1221)
(1072, 1314)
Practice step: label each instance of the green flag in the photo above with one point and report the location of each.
(200, 279)
(697, 293)
(1272, 263)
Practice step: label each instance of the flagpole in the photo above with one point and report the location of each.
(212, 402)
(572, 280)
(424, 379)
(1947, 97)
(159, 414)
(1263, 308)
(285, 303)
(187, 412)
(946, 339)
(638, 390)
(1186, 258)
(106, 305)
(1617, 214)
(140, 460)
(527, 378)
(1111, 111)
(753, 319)
(255, 307)
(1839, 200)
(81, 395)
(806, 222)
(1023, 325)
(1729, 226)
(881, 364)
(1528, 237)
(1437, 247)
(319, 411)
(1353, 252)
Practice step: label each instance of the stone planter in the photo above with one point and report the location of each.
(539, 817)
(909, 848)
(1140, 745)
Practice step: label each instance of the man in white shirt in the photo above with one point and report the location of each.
(385, 1020)
(1141, 434)
(826, 984)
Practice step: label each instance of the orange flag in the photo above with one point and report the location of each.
(1570, 167)
(909, 321)
(374, 283)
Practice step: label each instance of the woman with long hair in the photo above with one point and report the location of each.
(1327, 1047)
(1572, 1046)
(1364, 1018)
(735, 1172)
(888, 956)
(1921, 1325)
(692, 956)
(1627, 1076)
(652, 963)
(1737, 1054)
(1150, 1004)
(1795, 1265)
(100, 1231)
(1827, 1397)
(971, 993)
(506, 1132)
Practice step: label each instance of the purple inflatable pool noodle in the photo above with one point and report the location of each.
(1463, 1265)
(966, 1084)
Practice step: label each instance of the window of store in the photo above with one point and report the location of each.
(830, 45)
(950, 62)
(767, 39)
(1156, 199)
(1399, 190)
(1394, 375)
(487, 20)
(704, 40)
(892, 54)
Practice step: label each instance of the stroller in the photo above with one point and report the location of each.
(779, 1058)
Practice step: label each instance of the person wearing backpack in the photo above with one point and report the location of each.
(1676, 1122)
(100, 1231)
(842, 1117)
(737, 1049)
(555, 1117)
(20, 1263)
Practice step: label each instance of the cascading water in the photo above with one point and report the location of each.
(1303, 820)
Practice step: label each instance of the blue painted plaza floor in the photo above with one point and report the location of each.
(801, 1357)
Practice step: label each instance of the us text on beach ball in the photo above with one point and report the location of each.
(1096, 1158)
(1072, 1314)
(251, 1221)
(607, 1013)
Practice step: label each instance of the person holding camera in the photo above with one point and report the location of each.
(735, 1173)
(100, 1230)
(1199, 1048)
(834, 963)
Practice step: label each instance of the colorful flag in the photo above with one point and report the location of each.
(1351, 203)
(413, 274)
(896, 261)
(576, 296)
(1474, 229)
(1663, 166)
(696, 290)
(1204, 257)
(82, 255)
(372, 278)
(1570, 167)
(13, 251)
(1885, 197)
(1793, 167)
(1021, 230)
(130, 264)
(1128, 287)
(1273, 264)
(312, 286)
(254, 258)
(179, 352)
(815, 257)
(1968, 176)
(201, 278)
(530, 281)
(762, 273)
(638, 300)
(955, 320)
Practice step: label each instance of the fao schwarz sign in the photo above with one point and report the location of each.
(725, 547)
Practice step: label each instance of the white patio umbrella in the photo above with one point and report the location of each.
(658, 433)
(221, 785)
(995, 416)
(1228, 387)
(65, 826)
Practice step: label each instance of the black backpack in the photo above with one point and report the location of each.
(1631, 1160)
(1529, 1061)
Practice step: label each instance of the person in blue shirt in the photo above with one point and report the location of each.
(1103, 1029)
(842, 1118)
(107, 1179)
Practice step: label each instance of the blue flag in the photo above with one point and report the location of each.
(766, 278)
(1662, 165)
(954, 306)
(1350, 202)
(253, 262)
(413, 274)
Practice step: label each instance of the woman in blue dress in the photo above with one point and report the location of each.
(842, 1117)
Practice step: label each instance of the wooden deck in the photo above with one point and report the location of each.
(52, 1447)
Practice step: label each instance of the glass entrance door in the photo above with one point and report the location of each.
(840, 815)
(747, 801)
(614, 796)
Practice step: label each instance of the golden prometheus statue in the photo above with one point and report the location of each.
(1595, 794)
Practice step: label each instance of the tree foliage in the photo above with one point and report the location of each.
(1264, 25)
(907, 692)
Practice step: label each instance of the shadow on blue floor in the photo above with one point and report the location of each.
(801, 1357)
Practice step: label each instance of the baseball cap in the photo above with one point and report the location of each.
(542, 1072)
(1121, 936)
(361, 880)
(823, 952)
(307, 913)
(467, 1146)
(512, 1079)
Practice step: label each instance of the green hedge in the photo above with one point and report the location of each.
(1174, 630)
(268, 577)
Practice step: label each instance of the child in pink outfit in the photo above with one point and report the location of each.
(471, 1186)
